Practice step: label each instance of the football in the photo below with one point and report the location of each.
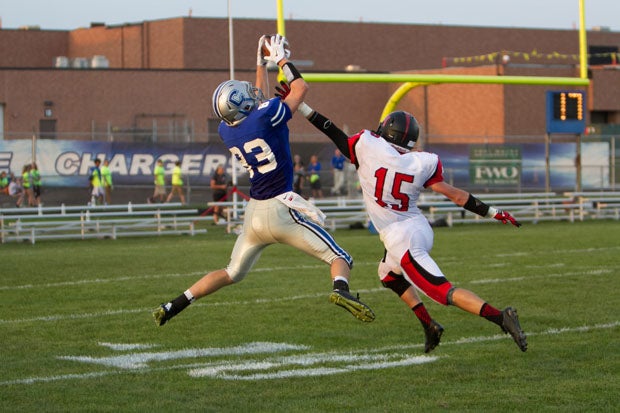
(266, 45)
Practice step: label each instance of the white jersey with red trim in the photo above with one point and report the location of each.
(391, 181)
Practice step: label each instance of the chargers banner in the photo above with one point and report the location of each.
(67, 163)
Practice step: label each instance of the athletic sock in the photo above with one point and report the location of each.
(491, 313)
(341, 283)
(420, 311)
(177, 305)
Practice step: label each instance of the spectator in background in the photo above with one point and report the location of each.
(177, 183)
(338, 161)
(314, 169)
(219, 183)
(96, 187)
(159, 194)
(35, 181)
(16, 190)
(4, 183)
(300, 175)
(27, 186)
(106, 178)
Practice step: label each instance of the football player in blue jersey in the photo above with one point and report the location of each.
(255, 131)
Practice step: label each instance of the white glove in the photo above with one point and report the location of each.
(276, 49)
(260, 59)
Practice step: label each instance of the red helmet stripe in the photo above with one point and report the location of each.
(407, 122)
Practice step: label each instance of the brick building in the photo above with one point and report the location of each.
(156, 77)
(148, 84)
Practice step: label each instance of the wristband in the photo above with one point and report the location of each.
(476, 206)
(290, 72)
(305, 110)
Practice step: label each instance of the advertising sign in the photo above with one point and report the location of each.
(494, 165)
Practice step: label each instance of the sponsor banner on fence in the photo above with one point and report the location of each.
(67, 163)
(494, 165)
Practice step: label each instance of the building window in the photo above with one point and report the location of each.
(47, 128)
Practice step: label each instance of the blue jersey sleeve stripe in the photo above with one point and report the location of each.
(279, 116)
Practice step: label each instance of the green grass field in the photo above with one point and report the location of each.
(76, 332)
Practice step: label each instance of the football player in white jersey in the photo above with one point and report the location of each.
(255, 131)
(391, 175)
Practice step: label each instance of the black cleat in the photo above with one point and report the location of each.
(433, 335)
(353, 305)
(510, 325)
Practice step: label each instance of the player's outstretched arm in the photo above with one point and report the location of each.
(326, 126)
(319, 121)
(298, 86)
(471, 203)
(262, 81)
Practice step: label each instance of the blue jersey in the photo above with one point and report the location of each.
(338, 162)
(261, 144)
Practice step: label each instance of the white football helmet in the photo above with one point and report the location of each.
(233, 100)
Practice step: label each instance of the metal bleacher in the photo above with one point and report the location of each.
(526, 207)
(110, 221)
(114, 221)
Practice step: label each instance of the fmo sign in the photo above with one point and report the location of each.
(496, 165)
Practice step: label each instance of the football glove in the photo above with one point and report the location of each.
(260, 59)
(505, 217)
(283, 90)
(276, 49)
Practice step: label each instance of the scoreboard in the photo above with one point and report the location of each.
(566, 111)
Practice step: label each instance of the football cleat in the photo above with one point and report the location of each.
(510, 325)
(433, 334)
(352, 304)
(161, 315)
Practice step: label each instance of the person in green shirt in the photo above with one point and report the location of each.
(177, 183)
(159, 194)
(27, 186)
(106, 177)
(35, 181)
(4, 183)
(95, 183)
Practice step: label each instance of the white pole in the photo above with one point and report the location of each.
(231, 53)
(34, 145)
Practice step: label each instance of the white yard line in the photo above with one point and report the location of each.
(270, 367)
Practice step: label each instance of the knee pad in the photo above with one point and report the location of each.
(396, 283)
(235, 273)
